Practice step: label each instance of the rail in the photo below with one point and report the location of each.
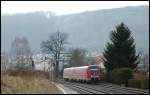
(103, 88)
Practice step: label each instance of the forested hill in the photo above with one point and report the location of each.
(90, 29)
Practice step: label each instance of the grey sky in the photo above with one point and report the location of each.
(63, 7)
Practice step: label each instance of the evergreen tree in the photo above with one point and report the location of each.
(120, 52)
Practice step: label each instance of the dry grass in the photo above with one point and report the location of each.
(27, 82)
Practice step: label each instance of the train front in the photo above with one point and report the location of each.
(94, 73)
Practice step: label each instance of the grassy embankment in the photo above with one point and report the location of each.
(27, 82)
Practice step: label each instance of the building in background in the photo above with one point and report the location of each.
(64, 60)
(44, 61)
(99, 61)
(144, 63)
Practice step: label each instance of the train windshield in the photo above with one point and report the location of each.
(94, 71)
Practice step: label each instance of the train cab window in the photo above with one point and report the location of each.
(94, 71)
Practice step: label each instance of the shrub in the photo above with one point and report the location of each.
(134, 83)
(108, 77)
(121, 75)
(145, 82)
(142, 83)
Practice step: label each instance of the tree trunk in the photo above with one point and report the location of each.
(56, 68)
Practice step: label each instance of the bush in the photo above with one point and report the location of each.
(145, 82)
(108, 77)
(142, 83)
(27, 73)
(134, 83)
(121, 75)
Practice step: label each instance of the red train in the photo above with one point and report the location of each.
(91, 73)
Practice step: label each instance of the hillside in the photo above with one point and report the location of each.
(90, 29)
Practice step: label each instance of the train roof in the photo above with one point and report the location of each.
(77, 67)
(81, 67)
(93, 65)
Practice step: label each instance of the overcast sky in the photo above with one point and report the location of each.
(63, 7)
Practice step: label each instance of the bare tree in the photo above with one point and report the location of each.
(55, 45)
(20, 46)
(5, 61)
(21, 52)
(78, 57)
(90, 61)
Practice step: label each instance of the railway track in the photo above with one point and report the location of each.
(104, 88)
(125, 89)
(87, 88)
(84, 89)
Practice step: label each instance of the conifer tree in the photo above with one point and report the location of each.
(120, 52)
